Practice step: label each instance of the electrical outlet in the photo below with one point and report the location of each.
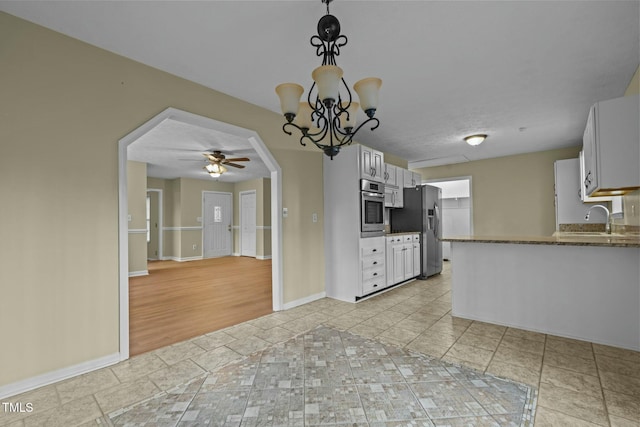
(314, 217)
(285, 212)
(194, 247)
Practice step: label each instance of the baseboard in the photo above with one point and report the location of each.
(138, 273)
(58, 375)
(263, 257)
(236, 254)
(177, 259)
(304, 300)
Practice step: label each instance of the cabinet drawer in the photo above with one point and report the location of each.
(373, 273)
(373, 251)
(373, 261)
(373, 285)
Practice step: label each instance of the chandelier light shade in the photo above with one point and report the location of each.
(289, 94)
(329, 107)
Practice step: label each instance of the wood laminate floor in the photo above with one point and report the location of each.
(181, 300)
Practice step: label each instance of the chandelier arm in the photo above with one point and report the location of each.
(372, 119)
(297, 127)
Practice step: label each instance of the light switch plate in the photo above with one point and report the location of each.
(314, 217)
(285, 212)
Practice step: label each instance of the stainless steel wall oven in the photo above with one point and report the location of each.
(371, 208)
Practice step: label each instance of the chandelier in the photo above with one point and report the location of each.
(326, 109)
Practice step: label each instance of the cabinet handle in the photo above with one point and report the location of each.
(375, 250)
(375, 262)
(375, 286)
(375, 274)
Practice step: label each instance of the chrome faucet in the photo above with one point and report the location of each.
(607, 228)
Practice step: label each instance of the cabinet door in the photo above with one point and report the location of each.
(408, 261)
(398, 263)
(407, 178)
(569, 207)
(588, 148)
(389, 197)
(416, 259)
(389, 260)
(378, 165)
(390, 175)
(366, 163)
(417, 178)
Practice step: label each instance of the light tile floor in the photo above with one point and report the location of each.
(579, 383)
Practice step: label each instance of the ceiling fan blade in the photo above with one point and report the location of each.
(238, 159)
(234, 165)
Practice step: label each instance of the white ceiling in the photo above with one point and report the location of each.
(524, 72)
(174, 149)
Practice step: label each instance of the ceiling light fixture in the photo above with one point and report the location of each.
(326, 109)
(215, 169)
(475, 139)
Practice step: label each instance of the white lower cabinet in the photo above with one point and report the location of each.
(403, 258)
(372, 263)
(416, 255)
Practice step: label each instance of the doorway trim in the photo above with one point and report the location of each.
(469, 179)
(257, 144)
(160, 222)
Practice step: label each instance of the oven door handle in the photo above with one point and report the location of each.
(376, 195)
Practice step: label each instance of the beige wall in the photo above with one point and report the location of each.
(512, 195)
(634, 84)
(74, 102)
(303, 243)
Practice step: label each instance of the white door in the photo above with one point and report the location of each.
(216, 219)
(248, 223)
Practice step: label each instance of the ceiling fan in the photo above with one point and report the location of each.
(216, 157)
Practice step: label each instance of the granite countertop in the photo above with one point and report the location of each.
(402, 233)
(565, 238)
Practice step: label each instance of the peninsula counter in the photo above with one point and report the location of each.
(585, 287)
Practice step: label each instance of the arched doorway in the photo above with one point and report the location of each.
(275, 171)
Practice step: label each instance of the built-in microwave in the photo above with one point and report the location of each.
(371, 208)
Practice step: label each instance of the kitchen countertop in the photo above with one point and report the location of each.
(565, 238)
(402, 233)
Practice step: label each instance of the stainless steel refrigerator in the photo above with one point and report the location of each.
(421, 213)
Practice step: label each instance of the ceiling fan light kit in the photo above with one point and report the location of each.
(217, 160)
(333, 114)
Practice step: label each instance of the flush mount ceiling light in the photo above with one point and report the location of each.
(326, 109)
(475, 139)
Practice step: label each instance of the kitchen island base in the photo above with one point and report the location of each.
(590, 293)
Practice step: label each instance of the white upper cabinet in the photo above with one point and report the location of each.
(583, 191)
(371, 164)
(411, 179)
(569, 206)
(390, 175)
(611, 147)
